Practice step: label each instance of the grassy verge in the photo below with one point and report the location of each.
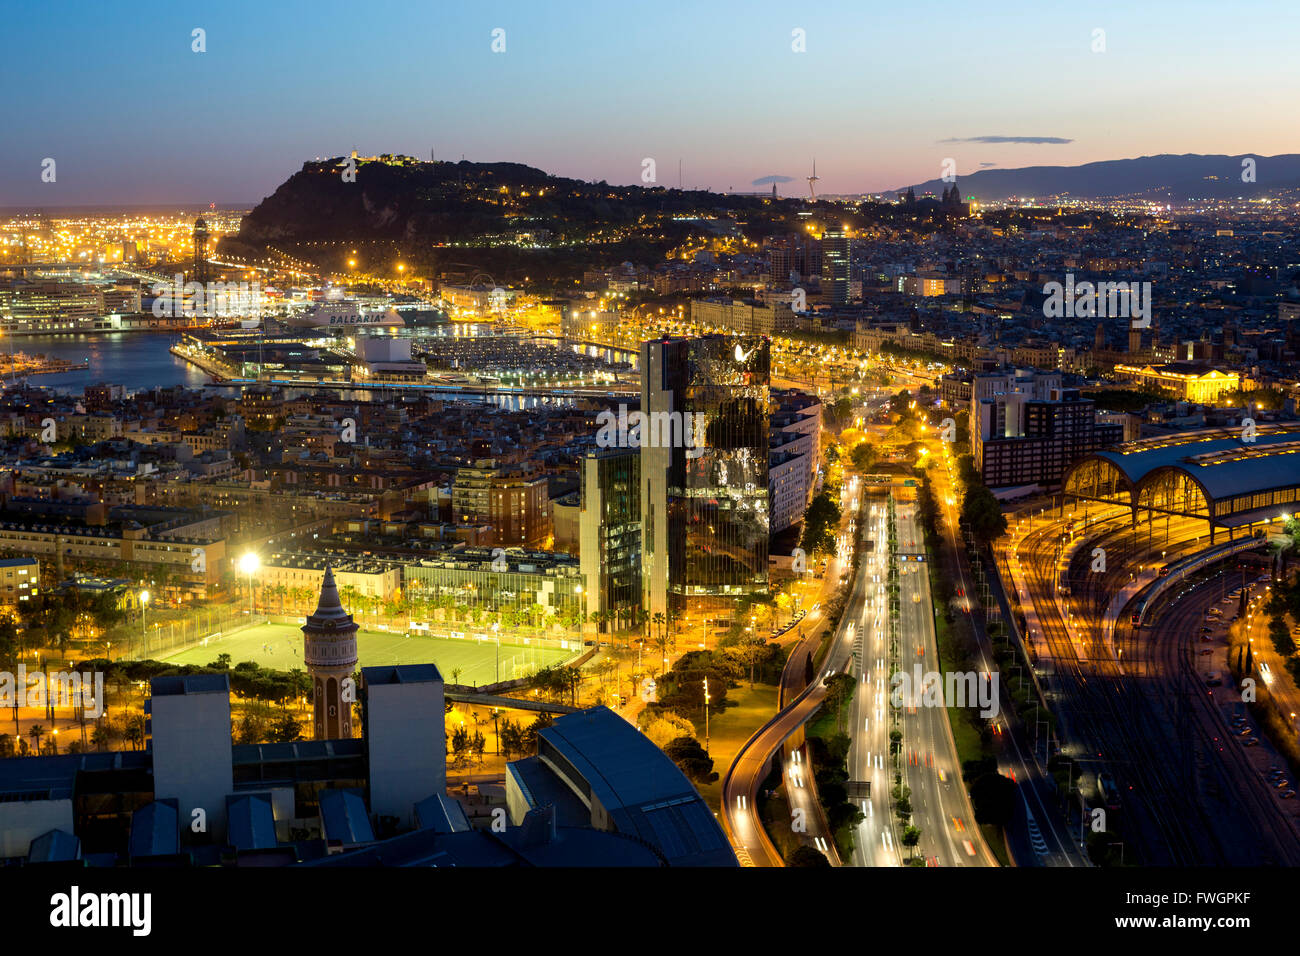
(824, 723)
(964, 734)
(729, 730)
(775, 814)
(997, 842)
(966, 737)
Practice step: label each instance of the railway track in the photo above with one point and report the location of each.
(1105, 713)
(1253, 828)
(1141, 706)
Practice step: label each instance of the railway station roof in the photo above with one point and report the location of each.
(1220, 463)
(1217, 453)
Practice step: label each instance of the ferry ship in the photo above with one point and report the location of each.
(343, 314)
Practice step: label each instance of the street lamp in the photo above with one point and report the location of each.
(248, 564)
(144, 604)
(706, 715)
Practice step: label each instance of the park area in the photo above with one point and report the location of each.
(279, 646)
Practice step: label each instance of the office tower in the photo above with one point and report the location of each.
(835, 266)
(609, 535)
(200, 251)
(1026, 429)
(780, 257)
(330, 653)
(704, 509)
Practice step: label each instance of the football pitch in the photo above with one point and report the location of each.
(279, 646)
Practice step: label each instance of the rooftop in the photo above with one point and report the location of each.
(1217, 459)
(189, 684)
(643, 791)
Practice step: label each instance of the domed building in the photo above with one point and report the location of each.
(330, 653)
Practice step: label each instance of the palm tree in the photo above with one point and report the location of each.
(134, 732)
(102, 735)
(658, 620)
(36, 733)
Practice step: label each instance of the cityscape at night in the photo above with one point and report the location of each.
(594, 437)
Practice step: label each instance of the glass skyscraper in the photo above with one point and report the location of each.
(609, 530)
(704, 508)
(835, 266)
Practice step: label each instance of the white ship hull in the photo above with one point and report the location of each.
(343, 315)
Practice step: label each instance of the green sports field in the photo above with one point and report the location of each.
(279, 646)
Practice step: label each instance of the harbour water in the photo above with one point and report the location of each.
(139, 361)
(136, 360)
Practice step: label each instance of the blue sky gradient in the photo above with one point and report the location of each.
(114, 94)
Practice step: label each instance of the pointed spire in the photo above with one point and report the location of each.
(329, 607)
(329, 592)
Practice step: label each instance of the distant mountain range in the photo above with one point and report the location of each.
(1165, 177)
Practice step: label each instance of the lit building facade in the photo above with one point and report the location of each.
(835, 266)
(705, 509)
(609, 534)
(1188, 381)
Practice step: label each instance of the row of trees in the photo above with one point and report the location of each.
(48, 619)
(821, 524)
(414, 605)
(557, 683)
(670, 721)
(104, 733)
(518, 739)
(981, 512)
(829, 759)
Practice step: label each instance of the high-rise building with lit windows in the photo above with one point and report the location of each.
(704, 509)
(609, 530)
(835, 266)
(200, 265)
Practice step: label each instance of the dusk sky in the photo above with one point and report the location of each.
(113, 93)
